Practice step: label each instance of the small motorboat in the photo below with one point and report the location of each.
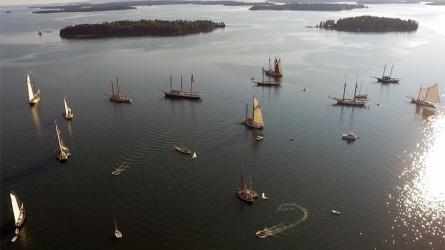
(259, 138)
(262, 234)
(264, 197)
(14, 238)
(117, 233)
(336, 212)
(350, 136)
(119, 170)
(194, 156)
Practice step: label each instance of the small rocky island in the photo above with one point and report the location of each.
(307, 6)
(128, 28)
(370, 24)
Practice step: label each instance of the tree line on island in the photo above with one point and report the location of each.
(370, 24)
(127, 28)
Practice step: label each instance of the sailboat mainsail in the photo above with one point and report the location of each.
(278, 69)
(63, 152)
(257, 116)
(18, 210)
(432, 94)
(421, 95)
(33, 95)
(68, 113)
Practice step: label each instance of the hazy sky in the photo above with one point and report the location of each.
(31, 2)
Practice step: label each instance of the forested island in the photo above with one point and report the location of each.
(370, 24)
(128, 28)
(307, 6)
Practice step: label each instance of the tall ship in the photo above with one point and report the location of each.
(182, 148)
(350, 102)
(62, 152)
(277, 70)
(33, 92)
(68, 113)
(271, 82)
(116, 96)
(182, 94)
(427, 96)
(245, 193)
(18, 210)
(387, 78)
(256, 121)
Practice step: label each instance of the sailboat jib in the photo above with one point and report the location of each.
(432, 94)
(30, 90)
(68, 113)
(33, 94)
(17, 209)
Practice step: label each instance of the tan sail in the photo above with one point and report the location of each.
(278, 69)
(432, 94)
(257, 113)
(421, 95)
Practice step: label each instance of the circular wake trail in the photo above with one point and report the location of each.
(280, 228)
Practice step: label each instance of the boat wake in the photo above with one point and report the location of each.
(281, 227)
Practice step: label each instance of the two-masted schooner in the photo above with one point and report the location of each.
(350, 102)
(387, 78)
(180, 93)
(33, 92)
(68, 113)
(18, 210)
(271, 82)
(181, 148)
(256, 121)
(245, 192)
(277, 70)
(116, 97)
(427, 96)
(62, 152)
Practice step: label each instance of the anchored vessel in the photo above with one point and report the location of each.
(175, 93)
(181, 148)
(62, 152)
(271, 82)
(117, 233)
(18, 209)
(256, 121)
(277, 71)
(350, 102)
(116, 97)
(68, 112)
(33, 92)
(244, 193)
(387, 78)
(427, 96)
(350, 136)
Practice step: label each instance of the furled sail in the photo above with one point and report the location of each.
(257, 114)
(15, 207)
(421, 95)
(30, 89)
(432, 95)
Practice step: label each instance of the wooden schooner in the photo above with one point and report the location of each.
(18, 210)
(271, 82)
(180, 94)
(245, 192)
(33, 92)
(350, 102)
(181, 148)
(387, 78)
(427, 96)
(277, 71)
(116, 97)
(68, 113)
(62, 152)
(256, 121)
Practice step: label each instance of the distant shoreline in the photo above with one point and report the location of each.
(139, 28)
(370, 24)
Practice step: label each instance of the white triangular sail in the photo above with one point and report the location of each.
(257, 114)
(67, 110)
(15, 207)
(59, 139)
(30, 87)
(421, 94)
(432, 95)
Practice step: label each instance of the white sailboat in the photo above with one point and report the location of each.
(33, 92)
(18, 209)
(62, 152)
(117, 233)
(257, 116)
(427, 96)
(68, 112)
(194, 156)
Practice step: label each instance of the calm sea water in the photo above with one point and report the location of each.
(389, 184)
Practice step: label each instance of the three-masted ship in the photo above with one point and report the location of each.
(180, 93)
(68, 113)
(277, 70)
(387, 78)
(256, 121)
(245, 193)
(116, 96)
(33, 92)
(18, 210)
(348, 101)
(427, 96)
(62, 152)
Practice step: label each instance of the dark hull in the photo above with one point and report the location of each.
(423, 103)
(182, 96)
(182, 149)
(388, 81)
(246, 198)
(268, 84)
(249, 124)
(349, 102)
(121, 99)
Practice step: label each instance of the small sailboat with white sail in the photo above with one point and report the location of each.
(256, 121)
(18, 210)
(62, 152)
(68, 113)
(33, 92)
(194, 156)
(117, 233)
(427, 96)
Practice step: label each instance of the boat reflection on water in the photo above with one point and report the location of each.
(425, 112)
(36, 119)
(420, 195)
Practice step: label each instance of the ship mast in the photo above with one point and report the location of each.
(59, 140)
(253, 111)
(355, 89)
(171, 82)
(191, 82)
(247, 106)
(112, 88)
(344, 89)
(390, 73)
(181, 83)
(384, 69)
(117, 84)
